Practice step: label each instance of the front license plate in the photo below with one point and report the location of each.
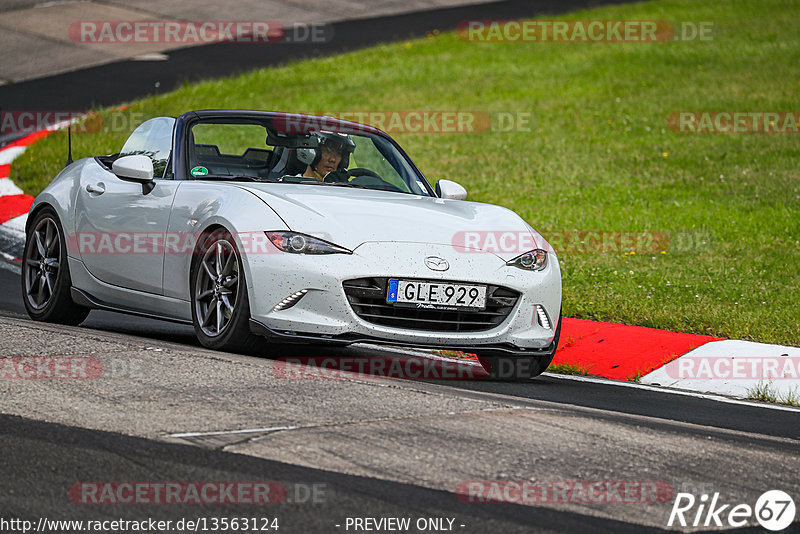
(437, 295)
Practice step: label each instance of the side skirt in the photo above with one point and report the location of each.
(84, 299)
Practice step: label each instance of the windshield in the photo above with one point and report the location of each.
(248, 150)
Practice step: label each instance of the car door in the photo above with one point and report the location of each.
(121, 230)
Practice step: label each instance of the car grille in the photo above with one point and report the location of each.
(367, 297)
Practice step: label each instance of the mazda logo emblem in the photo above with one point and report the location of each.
(436, 263)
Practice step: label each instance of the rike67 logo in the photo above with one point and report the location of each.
(774, 510)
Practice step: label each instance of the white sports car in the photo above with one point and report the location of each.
(295, 228)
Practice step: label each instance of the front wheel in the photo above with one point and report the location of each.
(519, 368)
(46, 283)
(220, 307)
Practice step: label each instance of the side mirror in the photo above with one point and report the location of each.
(451, 190)
(136, 168)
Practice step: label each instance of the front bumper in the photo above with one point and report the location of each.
(263, 330)
(324, 314)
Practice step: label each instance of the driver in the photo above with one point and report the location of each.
(333, 154)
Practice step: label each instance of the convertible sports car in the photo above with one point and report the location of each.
(295, 228)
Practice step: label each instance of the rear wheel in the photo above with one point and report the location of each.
(220, 306)
(46, 282)
(519, 368)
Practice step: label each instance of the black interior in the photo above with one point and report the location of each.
(253, 162)
(285, 163)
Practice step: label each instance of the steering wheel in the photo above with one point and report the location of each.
(363, 177)
(361, 171)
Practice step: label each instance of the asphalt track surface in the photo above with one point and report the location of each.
(731, 448)
(54, 452)
(607, 396)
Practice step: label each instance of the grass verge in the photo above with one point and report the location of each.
(596, 156)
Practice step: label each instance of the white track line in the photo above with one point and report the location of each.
(227, 432)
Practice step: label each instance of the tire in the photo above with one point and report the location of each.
(220, 305)
(519, 368)
(46, 282)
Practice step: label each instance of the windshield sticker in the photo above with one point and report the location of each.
(199, 171)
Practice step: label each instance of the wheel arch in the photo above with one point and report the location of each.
(209, 229)
(34, 212)
(237, 335)
(59, 307)
(245, 266)
(203, 207)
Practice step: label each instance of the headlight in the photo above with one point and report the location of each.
(535, 260)
(303, 244)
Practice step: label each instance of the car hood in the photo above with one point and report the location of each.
(350, 217)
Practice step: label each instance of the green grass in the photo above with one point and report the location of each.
(636, 376)
(568, 369)
(766, 392)
(600, 156)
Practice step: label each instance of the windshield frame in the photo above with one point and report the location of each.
(267, 119)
